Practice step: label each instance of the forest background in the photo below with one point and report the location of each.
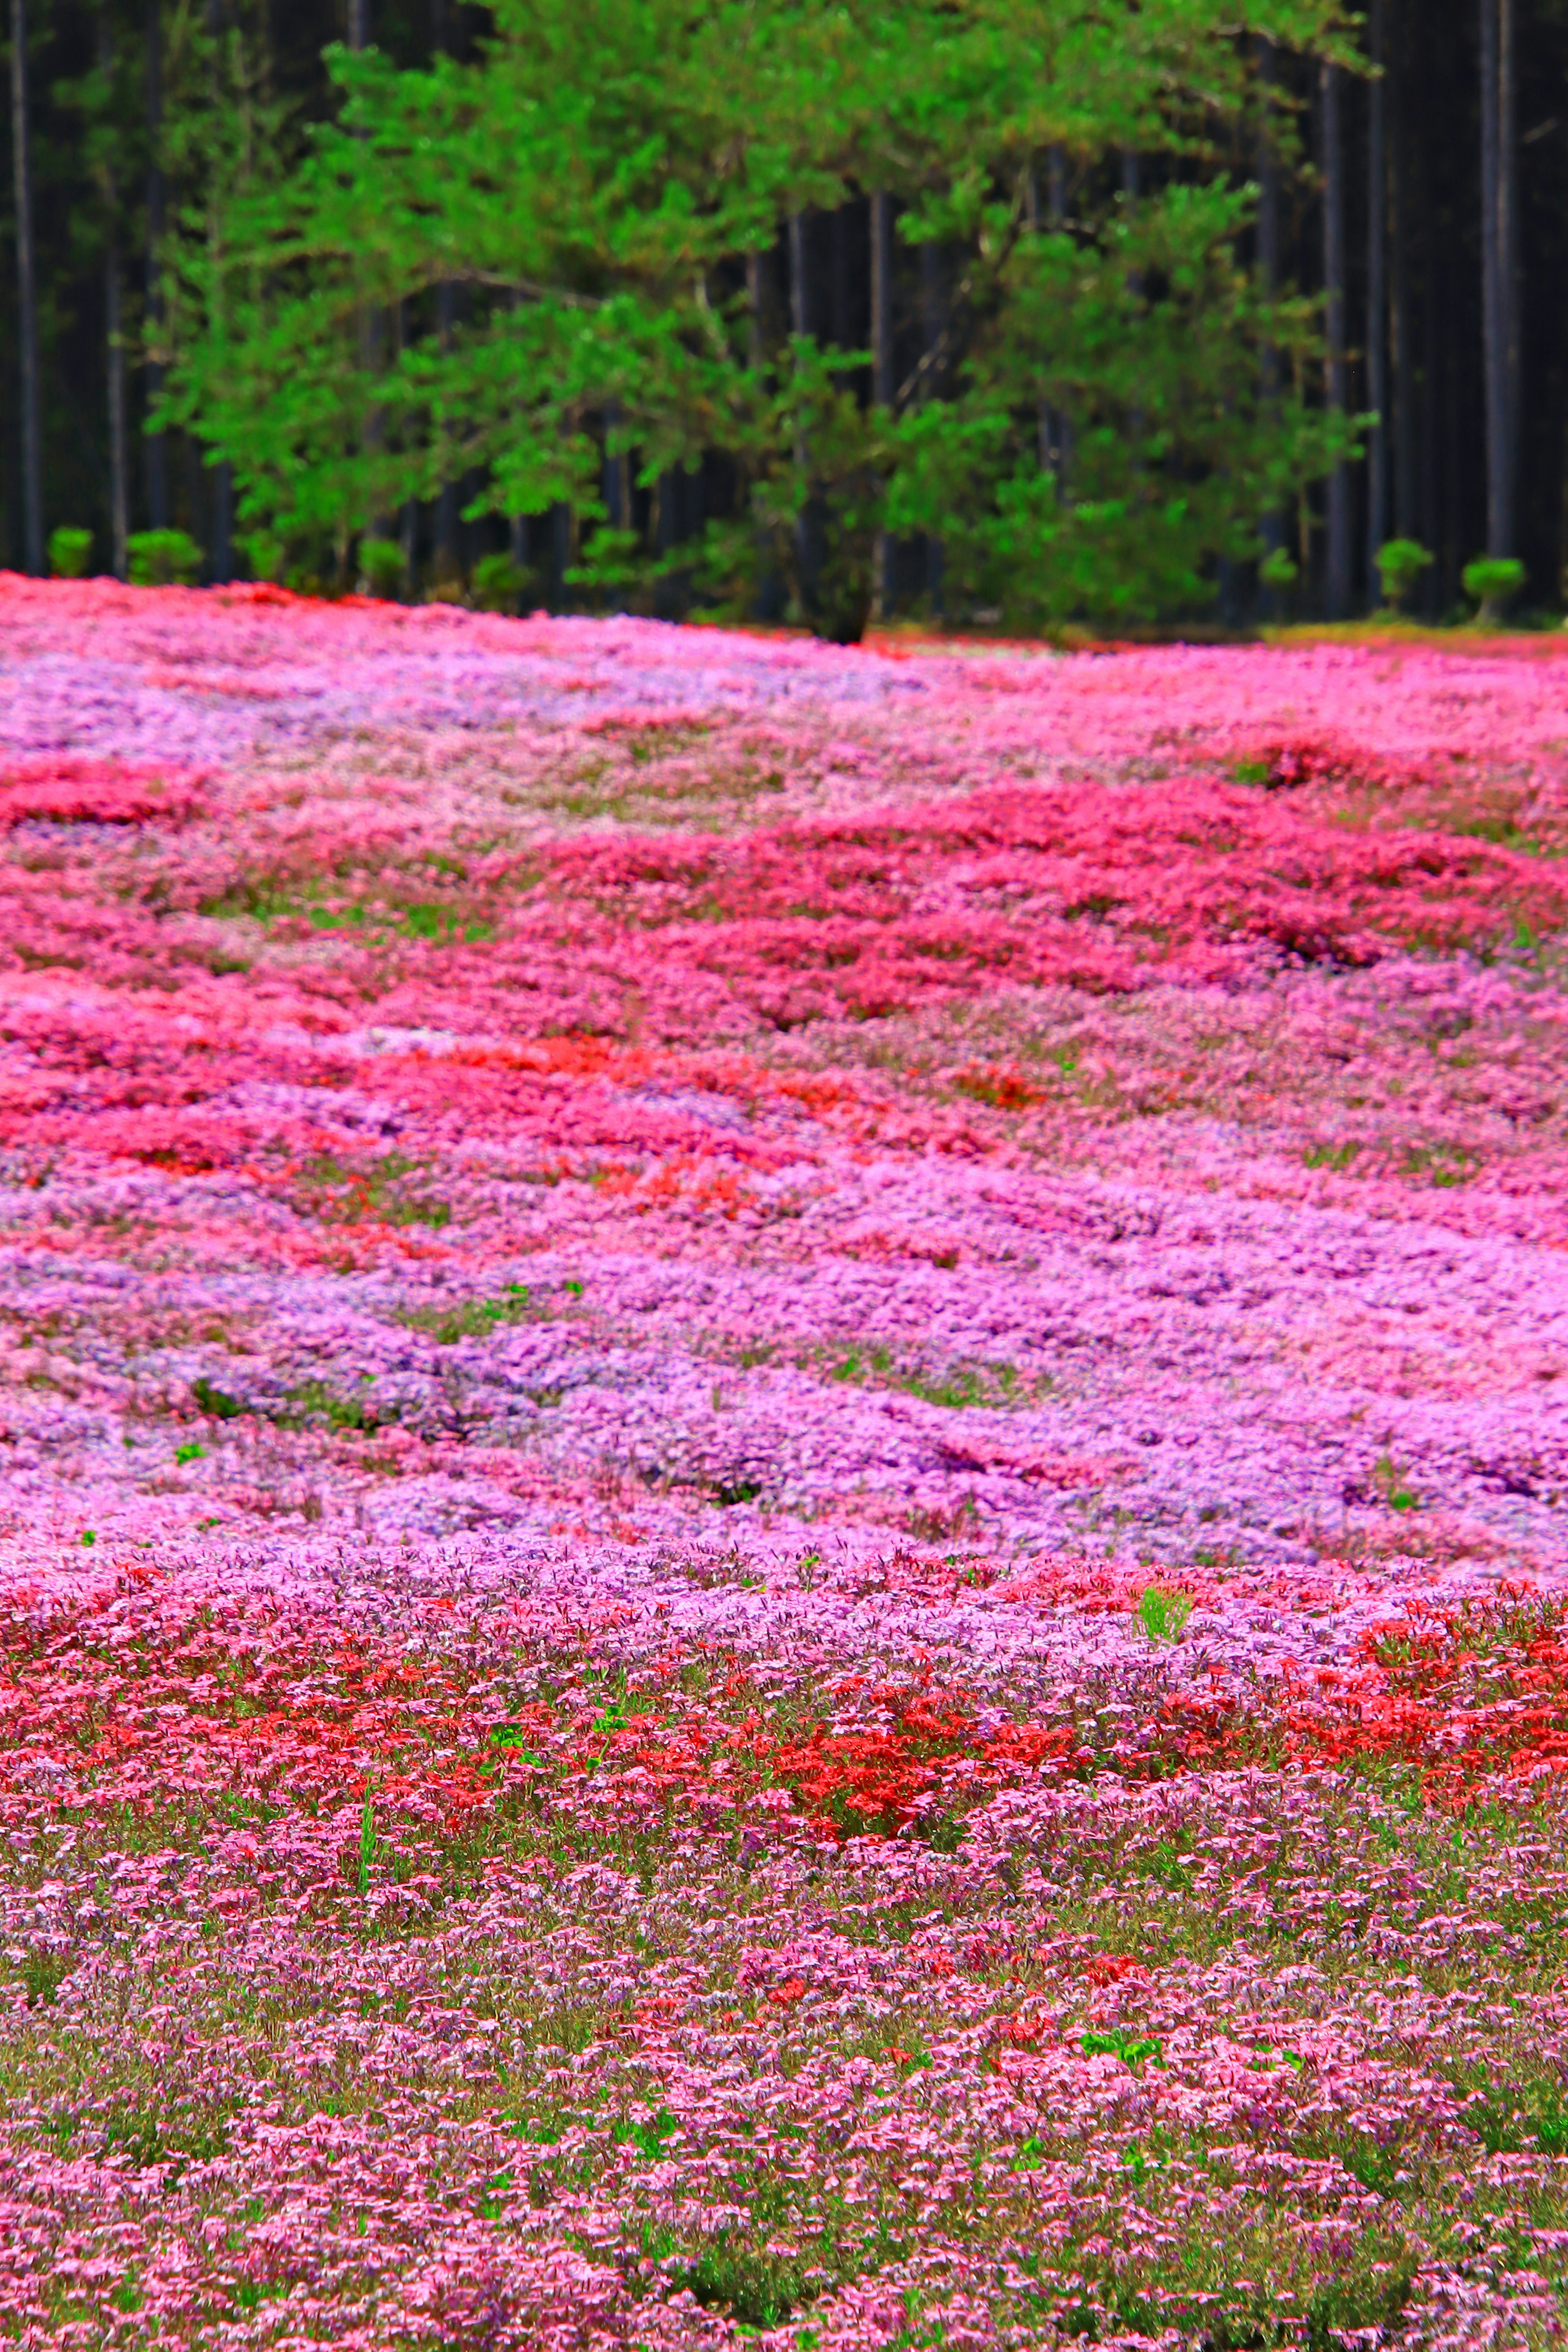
(1001, 312)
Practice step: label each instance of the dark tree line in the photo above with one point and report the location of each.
(1420, 196)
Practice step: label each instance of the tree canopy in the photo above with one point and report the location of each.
(624, 245)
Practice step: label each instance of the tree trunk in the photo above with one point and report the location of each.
(26, 300)
(1402, 319)
(844, 334)
(157, 449)
(1056, 220)
(449, 562)
(1273, 526)
(220, 559)
(1499, 272)
(800, 323)
(449, 559)
(1267, 206)
(799, 288)
(118, 488)
(934, 307)
(114, 337)
(1509, 300)
(754, 324)
(1045, 437)
(1416, 79)
(1376, 292)
(882, 369)
(882, 300)
(1337, 577)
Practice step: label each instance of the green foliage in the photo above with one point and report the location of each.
(647, 2139)
(367, 1841)
(1493, 583)
(473, 1318)
(265, 553)
(42, 1973)
(160, 559)
(70, 552)
(1149, 339)
(499, 583)
(591, 182)
(381, 567)
(1164, 1614)
(1393, 1485)
(1134, 2050)
(1400, 563)
(215, 1401)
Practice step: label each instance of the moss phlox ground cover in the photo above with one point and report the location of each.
(781, 1486)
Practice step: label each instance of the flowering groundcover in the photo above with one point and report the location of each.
(781, 1501)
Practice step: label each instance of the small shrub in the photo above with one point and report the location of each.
(499, 583)
(380, 568)
(1493, 583)
(1279, 570)
(265, 555)
(1400, 563)
(162, 559)
(70, 552)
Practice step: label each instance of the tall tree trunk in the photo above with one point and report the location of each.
(1132, 189)
(799, 286)
(157, 452)
(26, 300)
(1056, 220)
(882, 370)
(1402, 322)
(1417, 77)
(114, 336)
(882, 298)
(800, 323)
(1273, 525)
(933, 306)
(1509, 250)
(1337, 571)
(448, 560)
(118, 486)
(1376, 290)
(220, 556)
(1267, 206)
(371, 321)
(844, 334)
(1044, 436)
(1499, 272)
(755, 322)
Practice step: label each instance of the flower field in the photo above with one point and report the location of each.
(782, 1486)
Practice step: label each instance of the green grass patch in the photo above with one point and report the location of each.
(475, 1318)
(392, 1190)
